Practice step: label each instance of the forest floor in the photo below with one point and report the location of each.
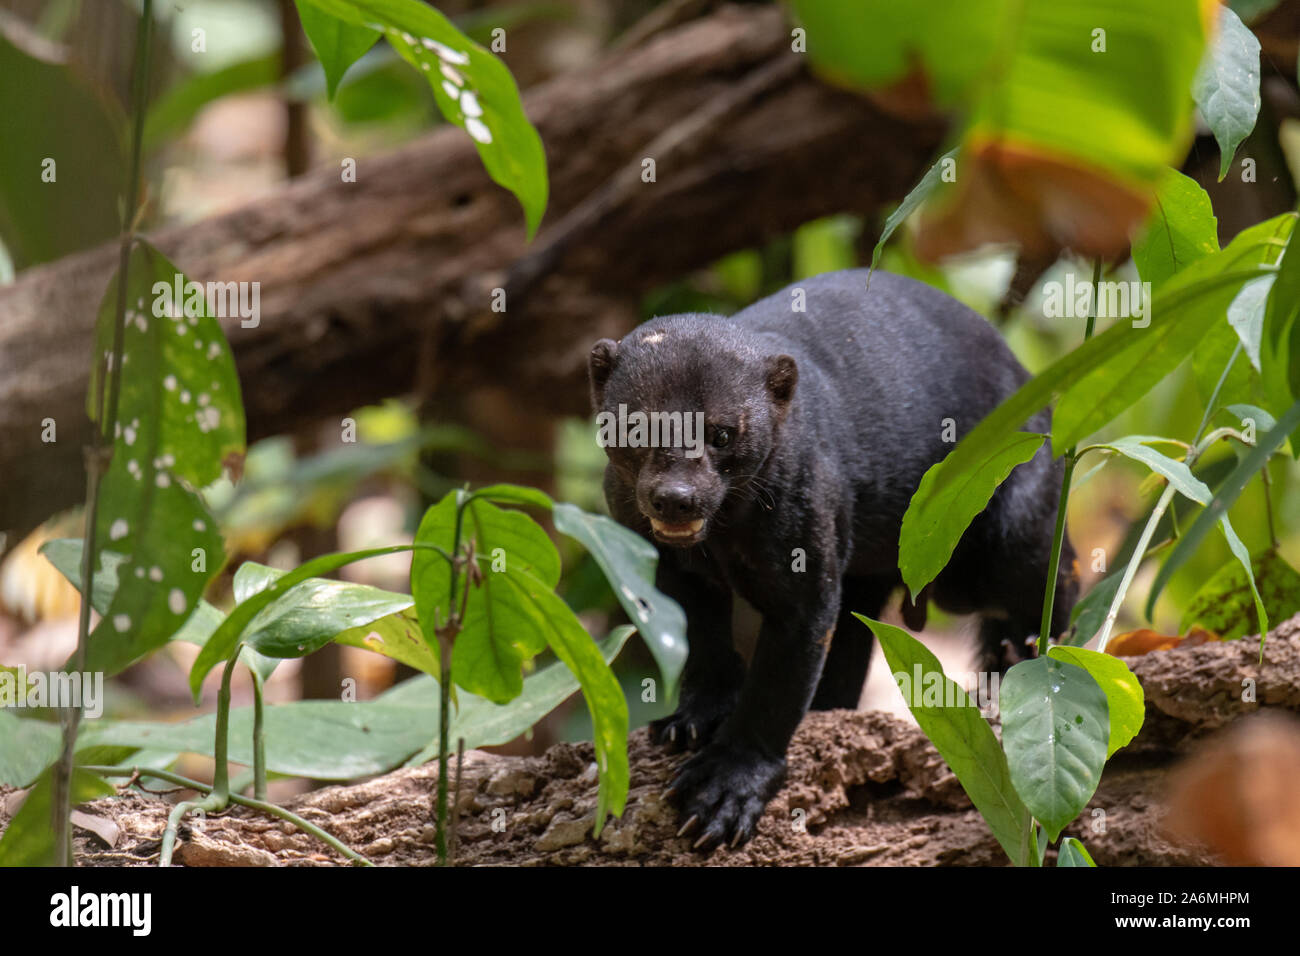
(863, 787)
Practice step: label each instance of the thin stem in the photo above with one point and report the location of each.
(1139, 553)
(1071, 458)
(1268, 504)
(1214, 396)
(259, 740)
(271, 808)
(100, 452)
(446, 637)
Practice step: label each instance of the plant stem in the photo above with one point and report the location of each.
(271, 808)
(446, 637)
(1071, 458)
(100, 452)
(259, 739)
(1139, 553)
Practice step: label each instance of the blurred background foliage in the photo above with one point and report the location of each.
(234, 123)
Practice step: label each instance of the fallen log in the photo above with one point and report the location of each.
(864, 788)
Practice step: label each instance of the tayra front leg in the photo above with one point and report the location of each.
(725, 787)
(714, 672)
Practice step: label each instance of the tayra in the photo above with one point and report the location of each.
(818, 423)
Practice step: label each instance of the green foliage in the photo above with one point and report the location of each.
(473, 89)
(1073, 853)
(936, 520)
(179, 419)
(338, 44)
(962, 737)
(27, 747)
(41, 220)
(912, 201)
(1055, 723)
(1181, 229)
(1226, 87)
(1125, 699)
(1225, 603)
(29, 839)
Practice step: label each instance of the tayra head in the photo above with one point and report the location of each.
(687, 411)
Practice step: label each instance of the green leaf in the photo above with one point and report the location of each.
(337, 44)
(1054, 731)
(223, 641)
(338, 740)
(936, 520)
(487, 724)
(911, 202)
(1226, 87)
(179, 421)
(472, 88)
(29, 838)
(1246, 315)
(1089, 614)
(628, 562)
(1178, 474)
(600, 688)
(1182, 309)
(1073, 853)
(1125, 699)
(1279, 343)
(1225, 603)
(1181, 229)
(498, 632)
(1218, 506)
(42, 219)
(962, 737)
(311, 614)
(27, 746)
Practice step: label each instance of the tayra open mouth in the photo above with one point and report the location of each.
(687, 529)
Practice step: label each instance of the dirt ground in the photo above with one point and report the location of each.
(864, 788)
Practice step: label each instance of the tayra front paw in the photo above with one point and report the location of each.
(694, 722)
(722, 792)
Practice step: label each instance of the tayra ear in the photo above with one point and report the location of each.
(782, 374)
(599, 366)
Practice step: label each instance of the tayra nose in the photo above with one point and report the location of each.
(673, 502)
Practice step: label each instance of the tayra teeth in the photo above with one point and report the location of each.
(677, 530)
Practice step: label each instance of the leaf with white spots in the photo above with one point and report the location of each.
(162, 450)
(472, 87)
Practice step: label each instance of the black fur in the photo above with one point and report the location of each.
(835, 413)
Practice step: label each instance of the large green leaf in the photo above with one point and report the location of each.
(29, 839)
(1226, 87)
(311, 614)
(628, 562)
(498, 631)
(338, 44)
(179, 421)
(39, 220)
(1181, 229)
(1178, 474)
(1125, 699)
(1225, 603)
(963, 738)
(223, 641)
(1055, 733)
(935, 522)
(473, 89)
(1279, 342)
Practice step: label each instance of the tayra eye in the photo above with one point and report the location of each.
(721, 437)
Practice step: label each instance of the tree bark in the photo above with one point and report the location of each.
(384, 286)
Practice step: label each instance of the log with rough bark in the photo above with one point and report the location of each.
(383, 286)
(864, 788)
